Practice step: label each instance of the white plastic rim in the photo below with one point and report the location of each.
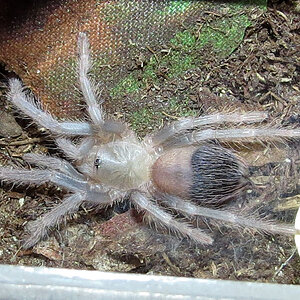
(297, 226)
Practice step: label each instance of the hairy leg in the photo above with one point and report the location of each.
(219, 118)
(142, 202)
(53, 163)
(90, 93)
(41, 176)
(39, 228)
(235, 218)
(87, 88)
(73, 151)
(26, 104)
(68, 147)
(236, 134)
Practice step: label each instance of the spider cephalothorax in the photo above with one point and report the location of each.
(183, 165)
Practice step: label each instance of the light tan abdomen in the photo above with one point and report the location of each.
(172, 172)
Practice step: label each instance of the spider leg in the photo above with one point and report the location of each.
(26, 104)
(41, 176)
(236, 219)
(218, 118)
(83, 192)
(236, 134)
(53, 163)
(75, 152)
(90, 93)
(87, 88)
(144, 203)
(68, 147)
(39, 228)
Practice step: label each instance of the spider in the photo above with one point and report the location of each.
(182, 168)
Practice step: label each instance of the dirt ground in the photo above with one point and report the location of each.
(262, 73)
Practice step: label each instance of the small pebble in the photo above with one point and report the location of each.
(8, 126)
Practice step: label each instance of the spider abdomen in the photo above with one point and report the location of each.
(208, 174)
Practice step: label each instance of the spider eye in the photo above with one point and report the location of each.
(97, 163)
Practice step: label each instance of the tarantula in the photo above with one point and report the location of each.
(179, 168)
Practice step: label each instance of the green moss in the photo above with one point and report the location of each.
(220, 35)
(180, 108)
(146, 118)
(184, 40)
(127, 85)
(141, 119)
(224, 35)
(150, 70)
(178, 63)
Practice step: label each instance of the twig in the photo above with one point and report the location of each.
(21, 143)
(153, 52)
(174, 268)
(283, 265)
(170, 116)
